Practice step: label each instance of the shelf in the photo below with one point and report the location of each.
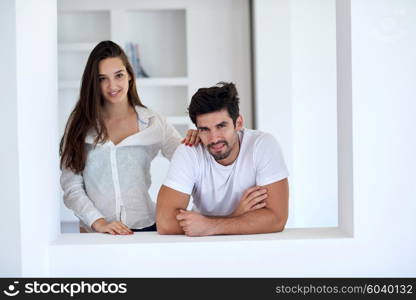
(179, 120)
(162, 81)
(141, 82)
(161, 39)
(76, 47)
(83, 26)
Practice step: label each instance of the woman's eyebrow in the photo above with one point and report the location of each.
(103, 75)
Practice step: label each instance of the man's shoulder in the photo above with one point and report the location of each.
(254, 137)
(192, 152)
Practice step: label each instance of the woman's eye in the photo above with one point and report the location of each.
(119, 75)
(101, 79)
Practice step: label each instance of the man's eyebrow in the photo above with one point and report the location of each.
(222, 123)
(219, 124)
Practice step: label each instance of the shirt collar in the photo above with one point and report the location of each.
(144, 115)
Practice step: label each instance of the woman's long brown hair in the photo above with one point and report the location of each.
(87, 113)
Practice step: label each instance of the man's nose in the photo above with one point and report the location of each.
(214, 137)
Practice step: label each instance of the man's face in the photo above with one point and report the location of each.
(218, 133)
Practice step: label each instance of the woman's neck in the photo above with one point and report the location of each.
(117, 111)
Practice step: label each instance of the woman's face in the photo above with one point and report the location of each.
(114, 80)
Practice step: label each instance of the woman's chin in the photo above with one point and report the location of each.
(115, 100)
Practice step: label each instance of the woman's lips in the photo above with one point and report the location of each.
(112, 94)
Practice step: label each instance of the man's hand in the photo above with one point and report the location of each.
(253, 198)
(195, 224)
(115, 227)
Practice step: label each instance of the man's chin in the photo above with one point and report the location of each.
(220, 156)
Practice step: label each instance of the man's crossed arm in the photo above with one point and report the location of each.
(261, 210)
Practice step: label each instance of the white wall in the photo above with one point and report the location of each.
(345, 117)
(29, 123)
(296, 100)
(314, 113)
(9, 171)
(384, 72)
(37, 129)
(218, 38)
(272, 77)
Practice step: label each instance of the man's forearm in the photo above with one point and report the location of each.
(259, 221)
(168, 224)
(169, 201)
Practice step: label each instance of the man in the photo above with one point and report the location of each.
(237, 177)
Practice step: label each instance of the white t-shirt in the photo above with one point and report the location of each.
(217, 189)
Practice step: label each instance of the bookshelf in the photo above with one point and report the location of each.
(161, 36)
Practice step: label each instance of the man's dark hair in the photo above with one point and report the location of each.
(221, 96)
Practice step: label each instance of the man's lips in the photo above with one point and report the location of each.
(217, 147)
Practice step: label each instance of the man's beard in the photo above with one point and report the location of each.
(220, 156)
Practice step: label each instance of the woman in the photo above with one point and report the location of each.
(109, 142)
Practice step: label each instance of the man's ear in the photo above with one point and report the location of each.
(239, 122)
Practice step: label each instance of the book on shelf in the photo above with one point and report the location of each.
(132, 52)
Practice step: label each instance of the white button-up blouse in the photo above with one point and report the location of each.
(115, 182)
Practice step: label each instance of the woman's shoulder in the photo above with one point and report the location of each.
(146, 113)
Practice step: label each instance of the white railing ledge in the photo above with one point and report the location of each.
(79, 239)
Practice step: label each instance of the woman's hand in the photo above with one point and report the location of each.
(191, 138)
(252, 199)
(115, 227)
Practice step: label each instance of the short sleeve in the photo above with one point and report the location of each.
(183, 170)
(269, 161)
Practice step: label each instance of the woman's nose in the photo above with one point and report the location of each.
(111, 84)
